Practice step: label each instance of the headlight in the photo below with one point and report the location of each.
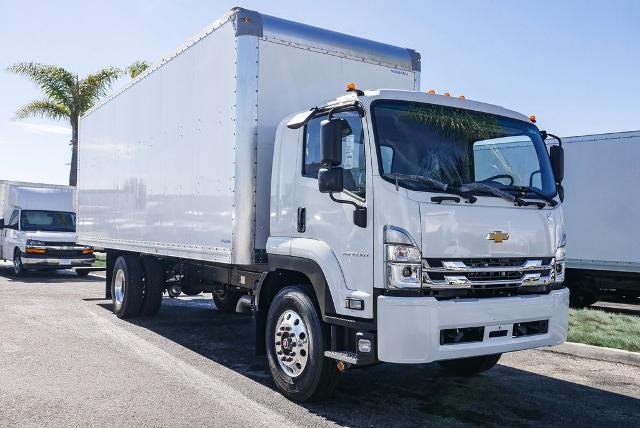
(35, 243)
(560, 258)
(402, 259)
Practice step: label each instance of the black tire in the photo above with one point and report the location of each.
(18, 267)
(226, 300)
(580, 298)
(131, 287)
(319, 376)
(470, 366)
(153, 287)
(82, 273)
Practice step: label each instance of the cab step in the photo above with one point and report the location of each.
(347, 357)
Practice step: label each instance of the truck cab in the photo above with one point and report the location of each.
(435, 220)
(39, 230)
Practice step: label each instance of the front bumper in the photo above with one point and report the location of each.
(409, 328)
(59, 262)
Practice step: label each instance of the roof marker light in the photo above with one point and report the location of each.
(462, 97)
(532, 118)
(431, 92)
(447, 94)
(351, 86)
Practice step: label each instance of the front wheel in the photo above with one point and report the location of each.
(470, 366)
(296, 339)
(18, 267)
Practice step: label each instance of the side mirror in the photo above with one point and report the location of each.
(556, 154)
(330, 180)
(561, 192)
(331, 142)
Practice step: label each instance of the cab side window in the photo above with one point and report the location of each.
(353, 161)
(13, 221)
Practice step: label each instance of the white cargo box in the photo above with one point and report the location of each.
(34, 196)
(179, 162)
(602, 208)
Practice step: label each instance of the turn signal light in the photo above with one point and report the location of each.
(532, 118)
(36, 250)
(87, 251)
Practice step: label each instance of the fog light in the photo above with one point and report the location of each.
(356, 304)
(364, 345)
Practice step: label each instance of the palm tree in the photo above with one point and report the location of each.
(67, 97)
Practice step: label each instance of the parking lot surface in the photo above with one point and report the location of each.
(65, 359)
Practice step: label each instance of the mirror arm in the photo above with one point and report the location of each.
(546, 134)
(343, 201)
(359, 214)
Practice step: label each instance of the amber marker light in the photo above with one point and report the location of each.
(532, 118)
(431, 92)
(351, 86)
(447, 94)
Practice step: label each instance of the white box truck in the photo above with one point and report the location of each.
(379, 225)
(603, 226)
(38, 228)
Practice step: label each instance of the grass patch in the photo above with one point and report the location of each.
(101, 260)
(599, 328)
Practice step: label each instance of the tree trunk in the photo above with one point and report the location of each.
(73, 171)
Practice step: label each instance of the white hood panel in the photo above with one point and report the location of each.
(460, 231)
(52, 236)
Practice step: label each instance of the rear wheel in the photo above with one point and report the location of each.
(153, 287)
(296, 339)
(127, 287)
(225, 299)
(470, 366)
(18, 267)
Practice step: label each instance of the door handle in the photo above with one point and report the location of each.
(302, 219)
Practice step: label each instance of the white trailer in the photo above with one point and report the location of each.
(603, 226)
(37, 228)
(379, 225)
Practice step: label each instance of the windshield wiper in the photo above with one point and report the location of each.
(481, 187)
(434, 185)
(526, 191)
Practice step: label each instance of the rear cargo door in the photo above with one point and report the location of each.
(325, 220)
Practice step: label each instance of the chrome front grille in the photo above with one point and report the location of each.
(489, 273)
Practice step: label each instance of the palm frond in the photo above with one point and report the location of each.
(56, 82)
(95, 86)
(44, 109)
(137, 68)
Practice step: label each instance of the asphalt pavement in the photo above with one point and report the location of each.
(65, 359)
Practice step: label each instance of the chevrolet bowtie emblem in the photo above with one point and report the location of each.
(497, 236)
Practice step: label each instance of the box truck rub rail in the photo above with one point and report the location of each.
(382, 225)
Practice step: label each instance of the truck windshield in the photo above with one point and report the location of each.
(49, 221)
(458, 147)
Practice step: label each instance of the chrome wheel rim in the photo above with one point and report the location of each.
(118, 289)
(17, 264)
(292, 343)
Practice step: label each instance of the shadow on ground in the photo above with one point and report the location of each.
(48, 276)
(399, 395)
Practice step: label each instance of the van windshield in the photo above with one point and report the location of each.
(458, 147)
(49, 221)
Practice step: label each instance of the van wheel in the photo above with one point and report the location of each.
(153, 287)
(225, 299)
(296, 339)
(470, 366)
(127, 287)
(18, 267)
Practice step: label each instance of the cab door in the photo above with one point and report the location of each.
(9, 235)
(325, 220)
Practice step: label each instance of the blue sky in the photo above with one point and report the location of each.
(575, 64)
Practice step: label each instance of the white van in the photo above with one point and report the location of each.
(38, 228)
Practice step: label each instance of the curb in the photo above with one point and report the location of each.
(596, 353)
